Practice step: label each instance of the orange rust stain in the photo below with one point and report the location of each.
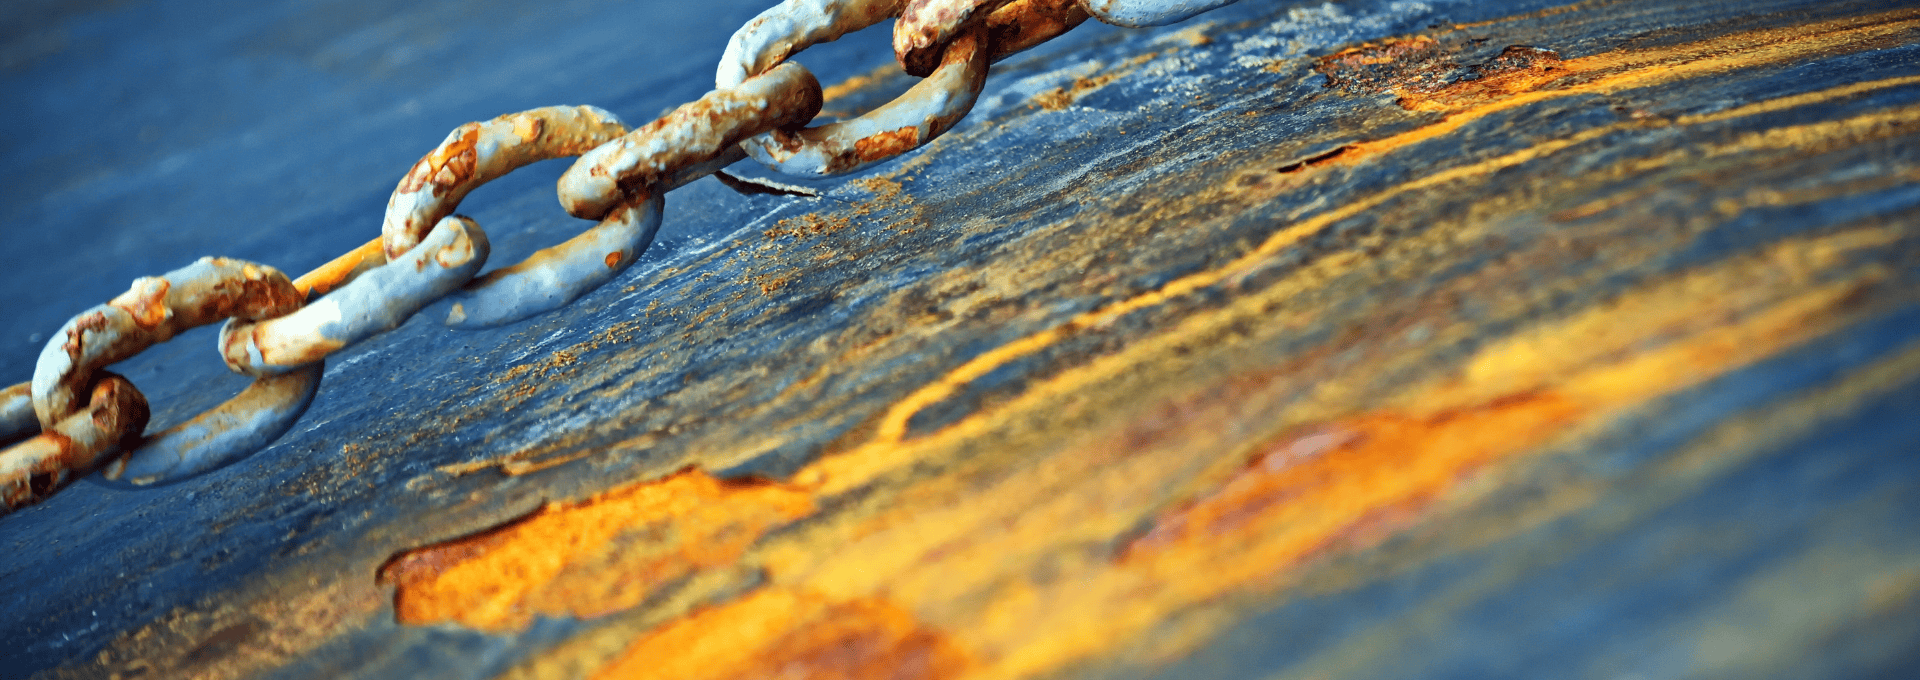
(1330, 485)
(591, 557)
(887, 144)
(613, 259)
(1518, 69)
(1338, 487)
(331, 275)
(793, 635)
(1521, 82)
(453, 162)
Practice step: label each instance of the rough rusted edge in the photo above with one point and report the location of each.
(699, 131)
(374, 303)
(926, 26)
(153, 311)
(116, 414)
(1146, 13)
(221, 436)
(556, 276)
(477, 153)
(922, 113)
(791, 26)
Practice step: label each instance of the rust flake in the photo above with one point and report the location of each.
(76, 343)
(447, 165)
(146, 301)
(1427, 75)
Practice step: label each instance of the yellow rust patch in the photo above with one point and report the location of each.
(528, 128)
(446, 165)
(591, 557)
(331, 275)
(794, 635)
(146, 301)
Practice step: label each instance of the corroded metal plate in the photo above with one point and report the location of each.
(1370, 339)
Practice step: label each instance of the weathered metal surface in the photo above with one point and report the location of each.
(220, 436)
(16, 413)
(788, 27)
(696, 133)
(154, 310)
(918, 116)
(477, 153)
(1314, 340)
(924, 28)
(111, 421)
(372, 303)
(1023, 24)
(561, 274)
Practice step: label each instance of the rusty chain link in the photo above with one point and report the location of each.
(76, 418)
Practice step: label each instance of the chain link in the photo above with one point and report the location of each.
(76, 418)
(113, 419)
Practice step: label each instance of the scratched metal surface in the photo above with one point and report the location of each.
(1205, 351)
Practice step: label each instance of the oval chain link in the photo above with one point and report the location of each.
(74, 418)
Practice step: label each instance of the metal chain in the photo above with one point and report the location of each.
(77, 418)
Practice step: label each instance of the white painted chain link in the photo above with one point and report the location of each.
(77, 418)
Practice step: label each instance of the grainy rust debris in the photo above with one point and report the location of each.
(1415, 63)
(112, 421)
